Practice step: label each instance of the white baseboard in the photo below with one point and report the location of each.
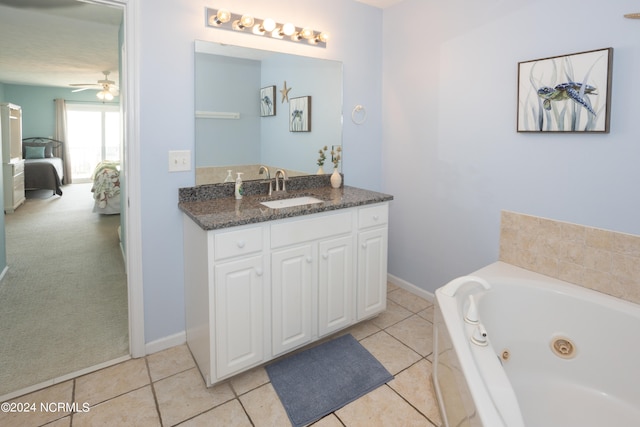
(165, 343)
(410, 287)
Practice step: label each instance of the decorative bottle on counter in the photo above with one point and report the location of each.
(239, 187)
(336, 178)
(229, 178)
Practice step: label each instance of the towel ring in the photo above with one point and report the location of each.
(359, 114)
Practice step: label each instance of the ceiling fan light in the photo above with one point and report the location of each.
(105, 95)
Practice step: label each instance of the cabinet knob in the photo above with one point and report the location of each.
(376, 217)
(241, 243)
(325, 256)
(364, 245)
(309, 259)
(259, 271)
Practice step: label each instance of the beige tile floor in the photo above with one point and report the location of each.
(166, 389)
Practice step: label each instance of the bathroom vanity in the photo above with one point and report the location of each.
(260, 282)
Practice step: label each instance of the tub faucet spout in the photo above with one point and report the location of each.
(451, 288)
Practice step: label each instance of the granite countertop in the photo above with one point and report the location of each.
(221, 212)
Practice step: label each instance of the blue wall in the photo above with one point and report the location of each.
(38, 110)
(166, 119)
(450, 100)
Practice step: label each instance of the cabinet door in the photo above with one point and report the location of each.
(292, 282)
(336, 285)
(239, 315)
(372, 272)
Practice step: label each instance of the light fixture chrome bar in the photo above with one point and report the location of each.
(225, 20)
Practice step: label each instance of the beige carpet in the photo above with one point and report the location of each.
(63, 301)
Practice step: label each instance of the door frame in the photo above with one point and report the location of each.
(130, 104)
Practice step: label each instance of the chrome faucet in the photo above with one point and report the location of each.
(265, 170)
(284, 178)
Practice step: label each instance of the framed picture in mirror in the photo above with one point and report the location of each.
(267, 101)
(300, 114)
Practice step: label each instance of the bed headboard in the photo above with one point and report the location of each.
(51, 147)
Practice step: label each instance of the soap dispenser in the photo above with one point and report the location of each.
(239, 189)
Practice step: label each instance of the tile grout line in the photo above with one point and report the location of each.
(153, 391)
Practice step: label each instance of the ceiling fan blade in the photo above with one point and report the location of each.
(81, 89)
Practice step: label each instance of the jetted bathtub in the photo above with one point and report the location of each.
(515, 348)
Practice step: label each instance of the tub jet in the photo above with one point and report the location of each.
(563, 347)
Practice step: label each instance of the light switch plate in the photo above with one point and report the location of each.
(179, 161)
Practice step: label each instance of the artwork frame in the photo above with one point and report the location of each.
(300, 114)
(566, 94)
(267, 101)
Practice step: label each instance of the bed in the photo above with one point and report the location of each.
(106, 187)
(43, 168)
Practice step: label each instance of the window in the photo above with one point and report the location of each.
(93, 135)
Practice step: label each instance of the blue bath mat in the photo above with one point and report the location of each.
(318, 381)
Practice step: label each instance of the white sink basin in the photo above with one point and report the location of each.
(288, 203)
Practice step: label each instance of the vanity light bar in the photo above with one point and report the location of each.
(225, 20)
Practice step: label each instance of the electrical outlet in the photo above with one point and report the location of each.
(179, 161)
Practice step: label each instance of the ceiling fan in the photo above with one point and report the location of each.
(108, 88)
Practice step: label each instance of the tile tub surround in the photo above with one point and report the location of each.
(213, 206)
(602, 260)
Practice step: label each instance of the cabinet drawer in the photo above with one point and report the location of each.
(304, 230)
(18, 187)
(372, 216)
(18, 167)
(18, 182)
(238, 242)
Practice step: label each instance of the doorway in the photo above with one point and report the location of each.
(131, 213)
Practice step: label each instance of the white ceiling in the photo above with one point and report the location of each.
(57, 42)
(379, 3)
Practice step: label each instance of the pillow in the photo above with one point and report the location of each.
(34, 152)
(48, 148)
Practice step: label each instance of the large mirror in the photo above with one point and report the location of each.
(238, 129)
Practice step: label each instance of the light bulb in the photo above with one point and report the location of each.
(105, 95)
(223, 15)
(269, 25)
(322, 37)
(306, 33)
(288, 29)
(247, 20)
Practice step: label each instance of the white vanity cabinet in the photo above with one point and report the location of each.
(256, 292)
(372, 260)
(312, 278)
(225, 297)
